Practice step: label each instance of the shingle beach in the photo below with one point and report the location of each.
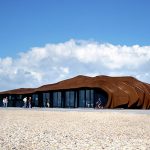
(64, 129)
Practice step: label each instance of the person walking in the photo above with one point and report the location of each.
(99, 104)
(25, 102)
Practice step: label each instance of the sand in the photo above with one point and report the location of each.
(64, 129)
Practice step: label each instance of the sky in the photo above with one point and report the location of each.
(45, 41)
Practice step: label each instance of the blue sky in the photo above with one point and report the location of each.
(26, 24)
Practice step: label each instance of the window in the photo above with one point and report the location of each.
(88, 98)
(67, 99)
(35, 100)
(70, 99)
(81, 98)
(46, 97)
(92, 98)
(54, 99)
(19, 102)
(102, 95)
(57, 99)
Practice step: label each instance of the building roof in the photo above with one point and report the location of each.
(19, 91)
(121, 90)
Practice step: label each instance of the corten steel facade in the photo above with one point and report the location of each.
(83, 91)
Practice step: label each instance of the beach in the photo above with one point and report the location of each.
(74, 129)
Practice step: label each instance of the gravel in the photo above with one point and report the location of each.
(75, 129)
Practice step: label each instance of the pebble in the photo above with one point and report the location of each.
(56, 130)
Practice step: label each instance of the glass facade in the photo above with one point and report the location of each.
(83, 97)
(1, 100)
(57, 99)
(10, 102)
(92, 98)
(86, 98)
(46, 99)
(35, 100)
(70, 99)
(14, 100)
(89, 98)
(99, 94)
(19, 101)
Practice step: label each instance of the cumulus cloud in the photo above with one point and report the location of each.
(55, 62)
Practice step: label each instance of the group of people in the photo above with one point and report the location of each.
(27, 102)
(5, 101)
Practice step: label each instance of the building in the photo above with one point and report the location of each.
(85, 92)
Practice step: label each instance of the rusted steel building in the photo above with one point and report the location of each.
(85, 92)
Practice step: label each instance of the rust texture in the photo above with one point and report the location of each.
(121, 90)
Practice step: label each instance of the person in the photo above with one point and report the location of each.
(99, 103)
(4, 102)
(48, 102)
(25, 102)
(30, 101)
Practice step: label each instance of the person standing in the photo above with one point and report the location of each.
(25, 102)
(30, 102)
(48, 102)
(4, 102)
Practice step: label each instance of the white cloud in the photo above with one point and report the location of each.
(54, 62)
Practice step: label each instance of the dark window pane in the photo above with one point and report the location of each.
(67, 99)
(35, 100)
(92, 98)
(55, 99)
(88, 100)
(76, 100)
(81, 98)
(59, 98)
(46, 97)
(71, 98)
